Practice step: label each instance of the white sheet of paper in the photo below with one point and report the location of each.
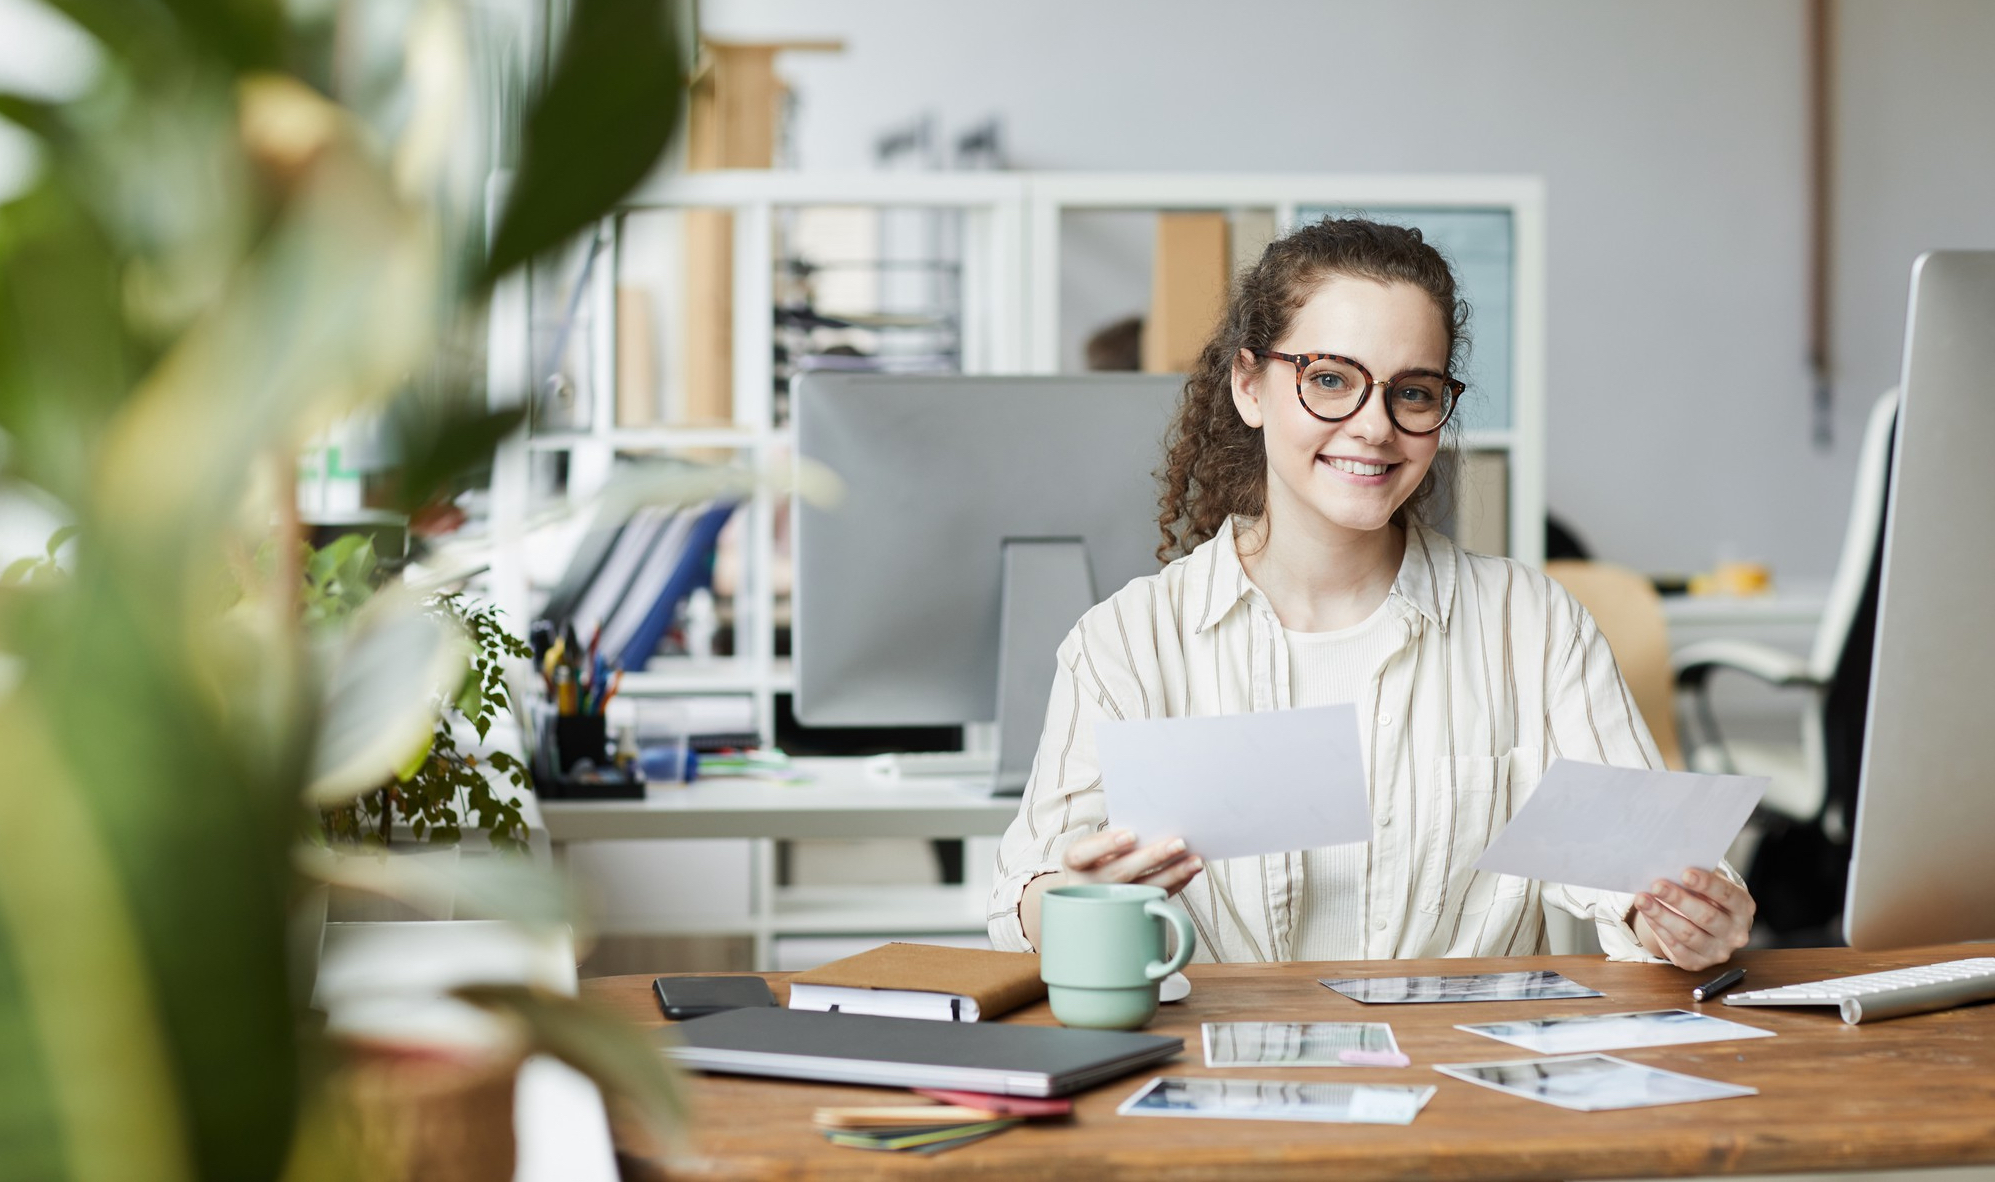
(1237, 785)
(1621, 829)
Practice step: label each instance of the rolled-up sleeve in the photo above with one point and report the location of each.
(1063, 798)
(1591, 716)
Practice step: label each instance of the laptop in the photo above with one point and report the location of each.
(987, 1057)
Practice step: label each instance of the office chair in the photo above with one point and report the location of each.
(1630, 615)
(1799, 867)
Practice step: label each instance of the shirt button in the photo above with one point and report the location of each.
(1385, 720)
(1378, 925)
(1385, 822)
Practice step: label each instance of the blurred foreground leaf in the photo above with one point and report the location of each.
(379, 703)
(605, 117)
(243, 34)
(439, 446)
(622, 1059)
(64, 366)
(86, 1049)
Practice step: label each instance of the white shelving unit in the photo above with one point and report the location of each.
(1011, 254)
(1011, 311)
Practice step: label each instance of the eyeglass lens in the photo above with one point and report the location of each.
(1331, 388)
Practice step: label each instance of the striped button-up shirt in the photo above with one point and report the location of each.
(1494, 671)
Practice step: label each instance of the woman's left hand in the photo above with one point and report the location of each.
(1697, 922)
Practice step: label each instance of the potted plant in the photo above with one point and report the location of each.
(440, 786)
(242, 223)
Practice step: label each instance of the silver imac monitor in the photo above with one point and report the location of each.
(1922, 868)
(982, 516)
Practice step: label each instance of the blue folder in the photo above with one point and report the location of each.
(694, 569)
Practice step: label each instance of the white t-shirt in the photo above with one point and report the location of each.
(1330, 669)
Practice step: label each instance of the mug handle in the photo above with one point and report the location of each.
(1158, 969)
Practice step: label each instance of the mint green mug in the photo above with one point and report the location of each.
(1101, 952)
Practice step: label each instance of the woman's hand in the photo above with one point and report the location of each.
(1113, 857)
(1697, 922)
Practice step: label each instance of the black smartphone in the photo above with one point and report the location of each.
(690, 997)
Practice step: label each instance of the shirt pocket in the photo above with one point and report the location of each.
(1475, 800)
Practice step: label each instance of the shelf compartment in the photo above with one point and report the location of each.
(883, 910)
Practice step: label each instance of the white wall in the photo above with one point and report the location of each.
(1915, 169)
(1672, 138)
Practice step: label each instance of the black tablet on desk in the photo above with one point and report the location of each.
(989, 1057)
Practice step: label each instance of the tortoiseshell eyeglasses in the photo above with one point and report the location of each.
(1334, 388)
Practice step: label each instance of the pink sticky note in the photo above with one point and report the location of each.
(1374, 1058)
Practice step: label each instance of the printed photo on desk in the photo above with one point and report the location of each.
(1543, 985)
(1268, 1099)
(1613, 1032)
(1593, 1083)
(1301, 1044)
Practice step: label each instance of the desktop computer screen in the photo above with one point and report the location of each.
(1922, 870)
(982, 516)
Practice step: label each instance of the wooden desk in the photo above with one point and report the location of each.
(1911, 1092)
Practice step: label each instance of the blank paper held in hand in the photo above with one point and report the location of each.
(1621, 829)
(1238, 785)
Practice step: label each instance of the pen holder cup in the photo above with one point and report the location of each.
(559, 774)
(578, 737)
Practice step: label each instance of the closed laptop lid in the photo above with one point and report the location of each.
(910, 1052)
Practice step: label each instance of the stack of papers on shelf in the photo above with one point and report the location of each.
(931, 981)
(629, 577)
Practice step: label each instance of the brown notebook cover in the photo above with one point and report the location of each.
(998, 982)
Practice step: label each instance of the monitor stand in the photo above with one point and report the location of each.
(1047, 588)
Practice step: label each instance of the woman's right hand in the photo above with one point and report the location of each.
(1114, 857)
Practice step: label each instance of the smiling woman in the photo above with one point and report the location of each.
(1218, 461)
(1293, 494)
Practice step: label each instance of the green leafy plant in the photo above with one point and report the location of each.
(339, 577)
(435, 793)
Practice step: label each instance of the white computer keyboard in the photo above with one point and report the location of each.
(910, 764)
(1870, 997)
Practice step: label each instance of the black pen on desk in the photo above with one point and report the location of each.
(1717, 985)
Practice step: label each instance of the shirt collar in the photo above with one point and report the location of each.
(1217, 581)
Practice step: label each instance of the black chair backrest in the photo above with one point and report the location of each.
(1800, 869)
(1847, 703)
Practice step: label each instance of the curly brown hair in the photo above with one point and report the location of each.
(1215, 465)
